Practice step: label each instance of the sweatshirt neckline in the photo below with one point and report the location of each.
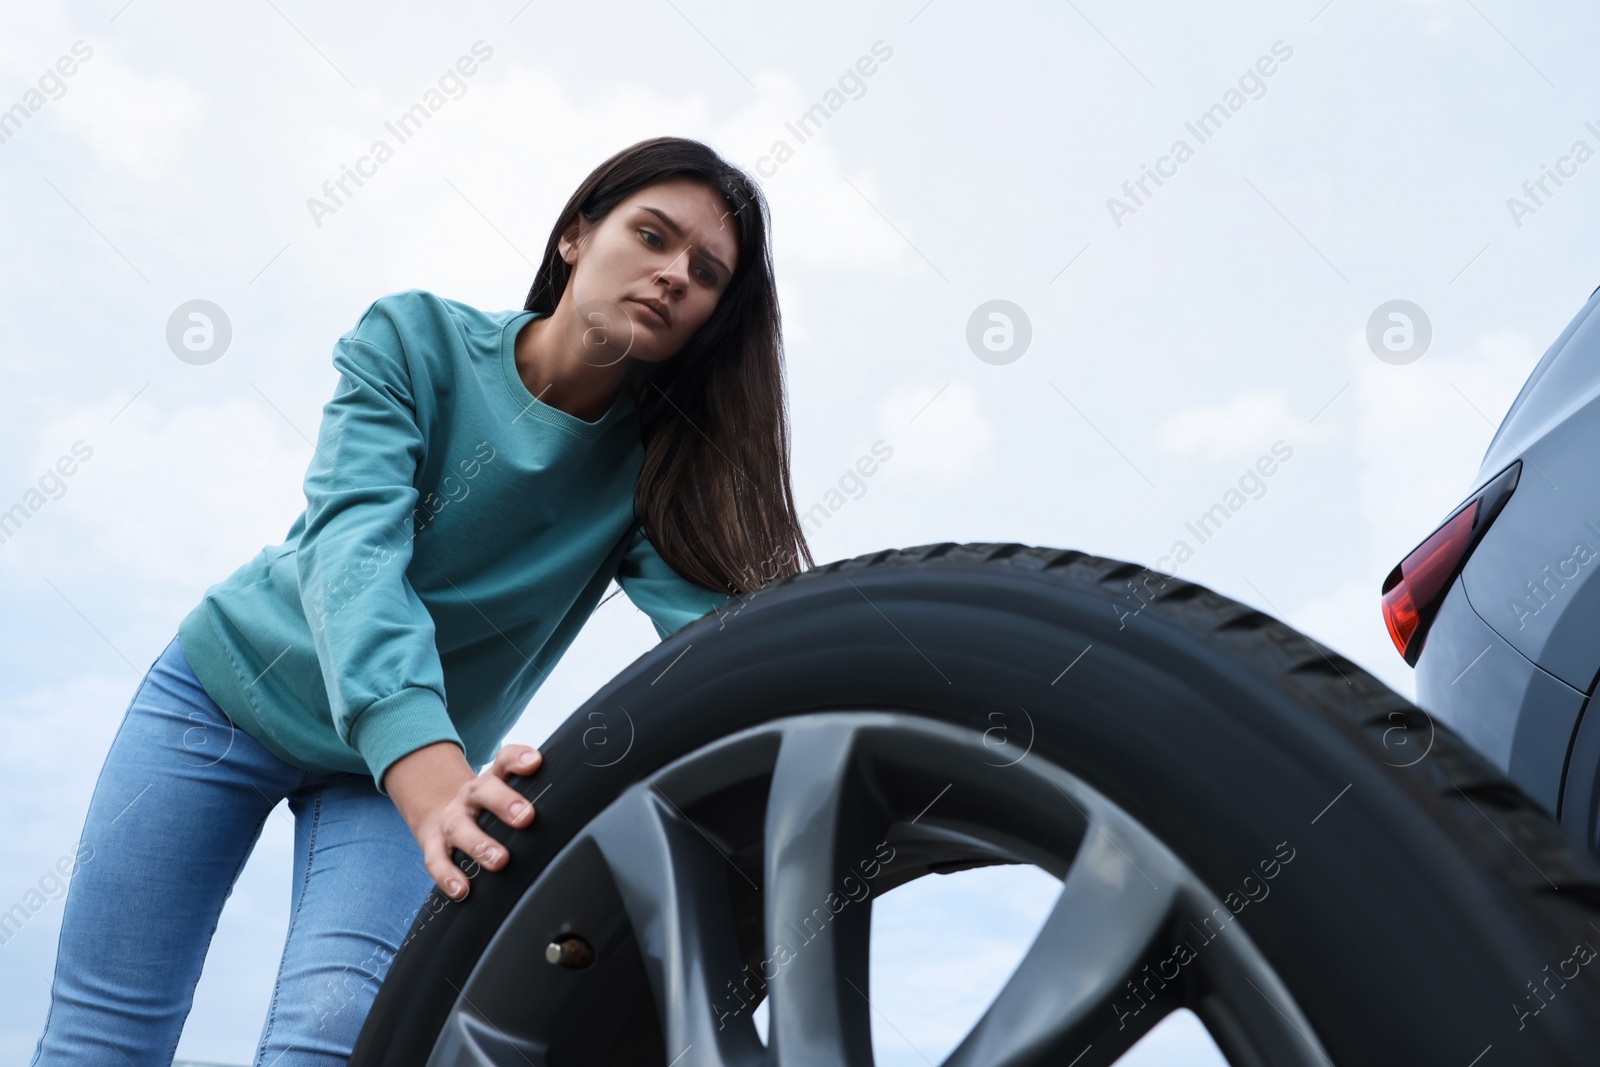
(523, 397)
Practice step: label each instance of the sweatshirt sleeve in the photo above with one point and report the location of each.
(374, 637)
(671, 601)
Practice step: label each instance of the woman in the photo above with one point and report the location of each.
(479, 479)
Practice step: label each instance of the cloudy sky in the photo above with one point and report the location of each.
(1178, 330)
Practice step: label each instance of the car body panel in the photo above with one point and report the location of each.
(1514, 653)
(1566, 377)
(1518, 716)
(1533, 577)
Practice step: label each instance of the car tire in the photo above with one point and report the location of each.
(1388, 895)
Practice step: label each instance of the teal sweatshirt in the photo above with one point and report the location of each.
(457, 535)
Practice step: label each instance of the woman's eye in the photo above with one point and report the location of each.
(647, 235)
(709, 277)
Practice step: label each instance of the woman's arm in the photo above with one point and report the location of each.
(671, 600)
(374, 638)
(440, 798)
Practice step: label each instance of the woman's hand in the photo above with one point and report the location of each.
(440, 799)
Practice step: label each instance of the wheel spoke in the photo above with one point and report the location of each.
(821, 836)
(673, 882)
(468, 1041)
(1068, 994)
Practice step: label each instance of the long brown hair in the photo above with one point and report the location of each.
(713, 494)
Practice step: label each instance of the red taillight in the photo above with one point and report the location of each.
(1425, 575)
(1400, 615)
(1414, 590)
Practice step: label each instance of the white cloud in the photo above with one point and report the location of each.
(1244, 426)
(84, 709)
(1446, 407)
(818, 219)
(141, 124)
(165, 496)
(939, 434)
(35, 34)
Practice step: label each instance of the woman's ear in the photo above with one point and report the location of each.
(570, 238)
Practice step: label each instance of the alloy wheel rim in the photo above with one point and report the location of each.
(744, 870)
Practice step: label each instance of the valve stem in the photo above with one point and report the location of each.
(572, 952)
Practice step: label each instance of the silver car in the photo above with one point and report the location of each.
(1499, 610)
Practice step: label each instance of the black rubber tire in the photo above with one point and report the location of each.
(1429, 904)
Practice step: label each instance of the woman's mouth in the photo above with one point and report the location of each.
(651, 314)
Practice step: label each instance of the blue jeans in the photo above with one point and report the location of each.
(179, 804)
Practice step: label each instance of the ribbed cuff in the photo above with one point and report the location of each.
(398, 725)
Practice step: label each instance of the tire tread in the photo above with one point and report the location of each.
(1494, 818)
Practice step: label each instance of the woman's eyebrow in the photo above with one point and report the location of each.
(678, 230)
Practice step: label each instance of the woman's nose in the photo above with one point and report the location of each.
(676, 274)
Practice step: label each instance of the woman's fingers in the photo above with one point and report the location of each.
(462, 831)
(457, 826)
(446, 875)
(483, 851)
(517, 759)
(491, 790)
(511, 806)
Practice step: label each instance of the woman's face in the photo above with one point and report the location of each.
(674, 245)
